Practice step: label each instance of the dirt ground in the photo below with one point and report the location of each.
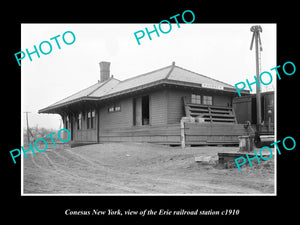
(140, 168)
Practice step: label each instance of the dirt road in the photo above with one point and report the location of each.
(139, 168)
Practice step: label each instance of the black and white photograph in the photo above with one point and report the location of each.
(148, 112)
(131, 114)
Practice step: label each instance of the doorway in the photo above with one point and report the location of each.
(141, 112)
(145, 110)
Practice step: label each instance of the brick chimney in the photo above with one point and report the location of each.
(104, 71)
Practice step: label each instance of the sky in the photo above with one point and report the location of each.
(219, 51)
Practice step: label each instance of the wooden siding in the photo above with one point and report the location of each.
(210, 113)
(213, 133)
(166, 109)
(119, 119)
(158, 108)
(156, 134)
(84, 134)
(176, 106)
(137, 115)
(117, 124)
(195, 134)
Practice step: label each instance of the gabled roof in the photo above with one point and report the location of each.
(184, 75)
(141, 80)
(101, 89)
(170, 75)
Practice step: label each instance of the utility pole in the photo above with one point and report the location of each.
(256, 35)
(28, 130)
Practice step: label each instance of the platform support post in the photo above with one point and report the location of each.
(182, 134)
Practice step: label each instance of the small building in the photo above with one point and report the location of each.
(149, 108)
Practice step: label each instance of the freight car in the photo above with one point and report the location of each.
(245, 110)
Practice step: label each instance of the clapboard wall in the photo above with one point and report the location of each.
(119, 126)
(166, 108)
(176, 107)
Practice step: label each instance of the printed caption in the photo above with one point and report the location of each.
(152, 212)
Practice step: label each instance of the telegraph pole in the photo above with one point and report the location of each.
(28, 130)
(256, 35)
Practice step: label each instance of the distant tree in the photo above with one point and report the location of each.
(39, 132)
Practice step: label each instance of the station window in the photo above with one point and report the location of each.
(79, 121)
(207, 100)
(196, 99)
(93, 119)
(90, 119)
(114, 108)
(111, 109)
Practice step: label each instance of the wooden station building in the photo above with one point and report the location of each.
(149, 107)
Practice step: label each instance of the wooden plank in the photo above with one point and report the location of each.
(222, 115)
(221, 111)
(135, 134)
(158, 140)
(214, 133)
(196, 105)
(223, 119)
(198, 110)
(195, 138)
(201, 115)
(209, 109)
(210, 113)
(198, 126)
(220, 107)
(228, 129)
(143, 131)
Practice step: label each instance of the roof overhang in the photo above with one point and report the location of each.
(146, 87)
(56, 108)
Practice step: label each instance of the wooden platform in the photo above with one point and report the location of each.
(218, 127)
(169, 134)
(213, 133)
(195, 134)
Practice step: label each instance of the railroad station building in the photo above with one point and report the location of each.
(149, 108)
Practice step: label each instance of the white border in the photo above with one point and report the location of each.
(216, 194)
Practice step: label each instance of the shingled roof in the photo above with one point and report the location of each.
(113, 87)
